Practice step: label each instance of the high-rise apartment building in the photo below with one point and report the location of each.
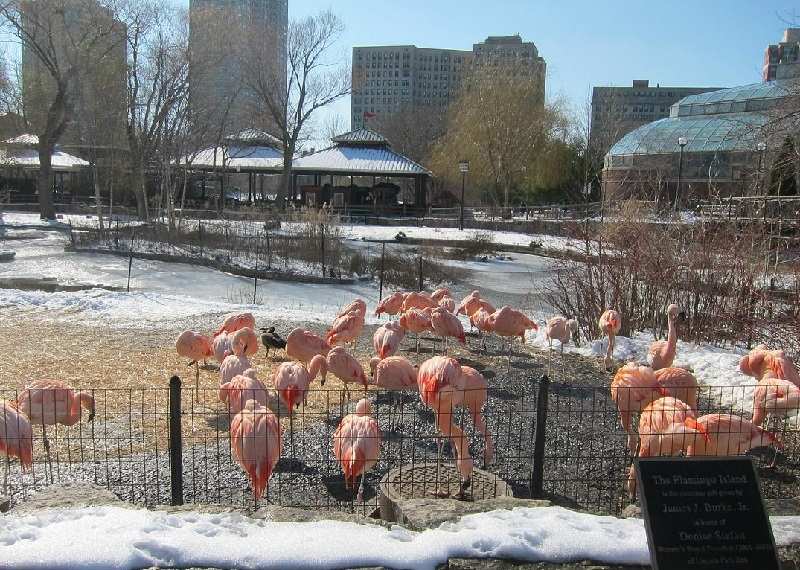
(387, 79)
(230, 42)
(782, 60)
(616, 111)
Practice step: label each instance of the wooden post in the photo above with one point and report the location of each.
(175, 441)
(322, 247)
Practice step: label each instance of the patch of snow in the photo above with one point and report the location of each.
(113, 537)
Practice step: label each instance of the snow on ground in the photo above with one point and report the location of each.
(113, 537)
(716, 368)
(355, 231)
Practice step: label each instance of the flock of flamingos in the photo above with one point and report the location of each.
(664, 396)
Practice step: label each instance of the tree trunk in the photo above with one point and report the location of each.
(97, 202)
(285, 186)
(44, 184)
(137, 178)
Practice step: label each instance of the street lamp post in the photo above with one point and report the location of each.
(463, 167)
(681, 143)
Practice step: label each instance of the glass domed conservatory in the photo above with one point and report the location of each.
(721, 135)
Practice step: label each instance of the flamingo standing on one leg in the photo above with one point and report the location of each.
(393, 373)
(610, 324)
(243, 342)
(292, 379)
(357, 307)
(304, 345)
(481, 320)
(416, 321)
(560, 329)
(16, 438)
(439, 381)
(196, 347)
(632, 389)
(662, 353)
(418, 300)
(391, 305)
(346, 368)
(221, 345)
(53, 402)
(508, 322)
(357, 445)
(256, 444)
(346, 328)
(446, 324)
(387, 339)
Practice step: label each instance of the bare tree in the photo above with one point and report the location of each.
(311, 81)
(412, 131)
(57, 36)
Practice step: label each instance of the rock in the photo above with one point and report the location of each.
(631, 512)
(5, 503)
(68, 495)
(494, 564)
(290, 514)
(419, 514)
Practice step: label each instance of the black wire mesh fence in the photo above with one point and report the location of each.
(551, 440)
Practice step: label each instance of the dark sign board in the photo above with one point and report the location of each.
(705, 513)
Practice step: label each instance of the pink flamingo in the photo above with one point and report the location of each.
(472, 303)
(53, 402)
(357, 445)
(441, 293)
(511, 323)
(304, 345)
(610, 324)
(560, 329)
(446, 324)
(233, 323)
(391, 305)
(346, 328)
(244, 342)
(237, 363)
(387, 339)
(775, 397)
(475, 389)
(633, 388)
(346, 368)
(256, 444)
(221, 345)
(481, 320)
(762, 362)
(240, 389)
(439, 381)
(418, 300)
(679, 383)
(16, 438)
(357, 307)
(416, 321)
(197, 347)
(448, 304)
(727, 434)
(662, 353)
(292, 380)
(393, 373)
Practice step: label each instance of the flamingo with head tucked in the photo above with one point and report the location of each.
(560, 329)
(242, 388)
(391, 305)
(256, 444)
(445, 324)
(346, 328)
(387, 338)
(292, 380)
(508, 322)
(416, 321)
(16, 437)
(53, 402)
(237, 363)
(233, 323)
(610, 323)
(346, 368)
(728, 434)
(357, 307)
(762, 362)
(396, 374)
(678, 383)
(197, 347)
(304, 345)
(357, 445)
(633, 388)
(662, 353)
(418, 300)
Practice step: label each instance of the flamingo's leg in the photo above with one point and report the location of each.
(550, 358)
(360, 494)
(47, 451)
(6, 461)
(439, 492)
(196, 382)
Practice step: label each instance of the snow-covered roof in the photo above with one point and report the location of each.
(263, 158)
(380, 161)
(23, 139)
(361, 137)
(14, 154)
(254, 137)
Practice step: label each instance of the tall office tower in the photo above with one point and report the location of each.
(234, 44)
(84, 37)
(782, 60)
(616, 111)
(387, 79)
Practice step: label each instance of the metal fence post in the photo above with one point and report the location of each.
(421, 278)
(322, 250)
(537, 479)
(200, 236)
(383, 257)
(175, 443)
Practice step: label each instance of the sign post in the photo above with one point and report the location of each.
(705, 513)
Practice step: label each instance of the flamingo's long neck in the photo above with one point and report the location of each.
(672, 333)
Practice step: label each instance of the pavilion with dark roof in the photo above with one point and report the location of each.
(360, 169)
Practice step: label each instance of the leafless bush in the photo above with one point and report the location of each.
(402, 269)
(482, 243)
(712, 271)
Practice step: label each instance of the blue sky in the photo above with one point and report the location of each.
(584, 42)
